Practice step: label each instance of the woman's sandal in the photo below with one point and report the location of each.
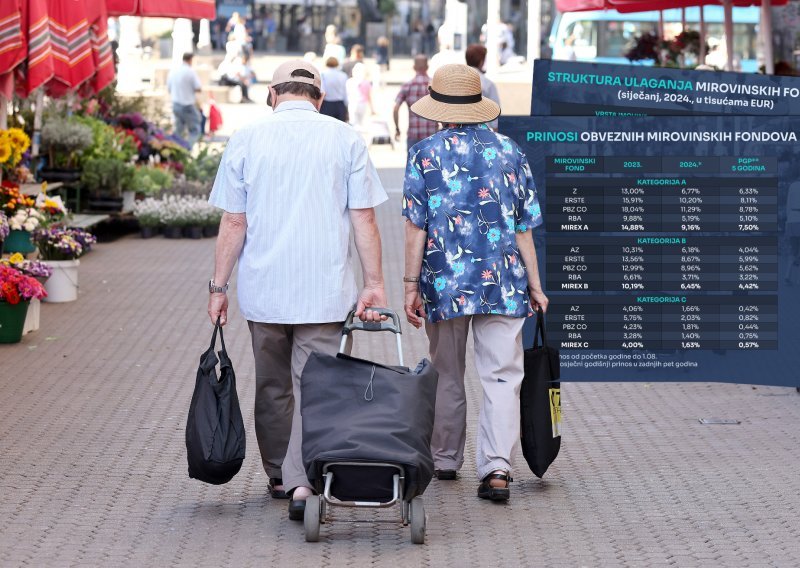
(276, 493)
(487, 491)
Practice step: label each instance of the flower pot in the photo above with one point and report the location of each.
(62, 286)
(148, 232)
(12, 320)
(173, 232)
(211, 230)
(66, 175)
(193, 232)
(18, 241)
(32, 317)
(128, 199)
(104, 202)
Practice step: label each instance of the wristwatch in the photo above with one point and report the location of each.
(214, 289)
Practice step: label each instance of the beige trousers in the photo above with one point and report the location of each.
(281, 352)
(499, 363)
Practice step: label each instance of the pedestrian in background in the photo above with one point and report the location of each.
(292, 185)
(356, 56)
(334, 84)
(476, 58)
(183, 84)
(470, 205)
(359, 95)
(419, 128)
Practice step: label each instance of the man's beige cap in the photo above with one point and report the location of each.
(283, 74)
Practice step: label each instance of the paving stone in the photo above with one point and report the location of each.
(92, 411)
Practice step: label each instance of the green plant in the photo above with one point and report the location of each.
(151, 181)
(107, 175)
(65, 139)
(204, 166)
(106, 142)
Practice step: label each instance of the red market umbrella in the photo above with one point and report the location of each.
(38, 67)
(102, 54)
(581, 5)
(12, 40)
(72, 46)
(192, 9)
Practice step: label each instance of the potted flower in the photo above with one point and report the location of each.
(148, 213)
(61, 248)
(22, 224)
(4, 230)
(13, 145)
(16, 292)
(150, 181)
(105, 179)
(35, 269)
(195, 218)
(173, 216)
(63, 140)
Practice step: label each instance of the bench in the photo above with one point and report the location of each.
(85, 221)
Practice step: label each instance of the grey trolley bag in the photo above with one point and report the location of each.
(367, 431)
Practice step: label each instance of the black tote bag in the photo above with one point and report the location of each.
(215, 437)
(540, 403)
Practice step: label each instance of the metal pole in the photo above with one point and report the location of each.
(703, 54)
(492, 35)
(683, 19)
(3, 112)
(766, 35)
(534, 30)
(661, 24)
(728, 4)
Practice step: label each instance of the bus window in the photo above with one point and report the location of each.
(579, 41)
(617, 37)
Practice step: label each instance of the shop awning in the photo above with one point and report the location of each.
(191, 9)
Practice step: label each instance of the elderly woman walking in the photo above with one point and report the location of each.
(470, 205)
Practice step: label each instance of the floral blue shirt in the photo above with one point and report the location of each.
(471, 190)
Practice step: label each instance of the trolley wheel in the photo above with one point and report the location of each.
(417, 510)
(311, 518)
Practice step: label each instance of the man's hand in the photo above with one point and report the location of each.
(218, 307)
(397, 135)
(414, 306)
(538, 299)
(371, 297)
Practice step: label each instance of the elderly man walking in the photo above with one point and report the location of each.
(292, 185)
(470, 205)
(419, 127)
(182, 84)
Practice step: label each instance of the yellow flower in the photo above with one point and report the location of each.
(44, 188)
(19, 139)
(16, 258)
(5, 151)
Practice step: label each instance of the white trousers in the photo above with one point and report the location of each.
(499, 363)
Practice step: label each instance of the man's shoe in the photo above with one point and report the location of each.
(297, 510)
(276, 493)
(445, 474)
(487, 491)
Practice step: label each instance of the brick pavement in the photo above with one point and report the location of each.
(92, 411)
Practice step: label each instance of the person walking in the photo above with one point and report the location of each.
(470, 204)
(359, 96)
(334, 83)
(419, 128)
(292, 187)
(183, 84)
(356, 57)
(476, 58)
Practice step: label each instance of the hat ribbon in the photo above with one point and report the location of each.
(455, 99)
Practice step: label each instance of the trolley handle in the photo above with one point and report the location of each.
(392, 324)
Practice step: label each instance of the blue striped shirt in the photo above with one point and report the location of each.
(296, 174)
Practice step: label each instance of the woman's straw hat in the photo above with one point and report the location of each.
(454, 96)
